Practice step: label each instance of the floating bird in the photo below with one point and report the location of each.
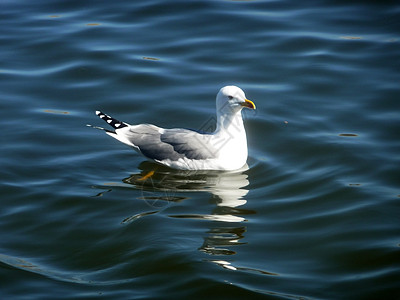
(185, 149)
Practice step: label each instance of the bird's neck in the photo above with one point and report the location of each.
(231, 123)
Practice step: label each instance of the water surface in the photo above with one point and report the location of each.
(315, 215)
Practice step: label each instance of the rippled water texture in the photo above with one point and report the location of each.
(314, 215)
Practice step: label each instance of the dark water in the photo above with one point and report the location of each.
(316, 215)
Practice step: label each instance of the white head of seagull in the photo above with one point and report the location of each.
(230, 101)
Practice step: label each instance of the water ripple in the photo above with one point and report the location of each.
(315, 214)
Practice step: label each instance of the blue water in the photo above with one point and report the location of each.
(315, 215)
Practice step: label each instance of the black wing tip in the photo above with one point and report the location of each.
(111, 121)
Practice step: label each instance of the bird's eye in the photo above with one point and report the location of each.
(230, 97)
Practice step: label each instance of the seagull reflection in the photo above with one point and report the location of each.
(161, 185)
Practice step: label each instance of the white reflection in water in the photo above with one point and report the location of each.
(162, 186)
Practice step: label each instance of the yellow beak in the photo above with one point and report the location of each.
(249, 104)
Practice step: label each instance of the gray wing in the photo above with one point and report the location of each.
(191, 144)
(171, 144)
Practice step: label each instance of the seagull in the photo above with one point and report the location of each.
(224, 149)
